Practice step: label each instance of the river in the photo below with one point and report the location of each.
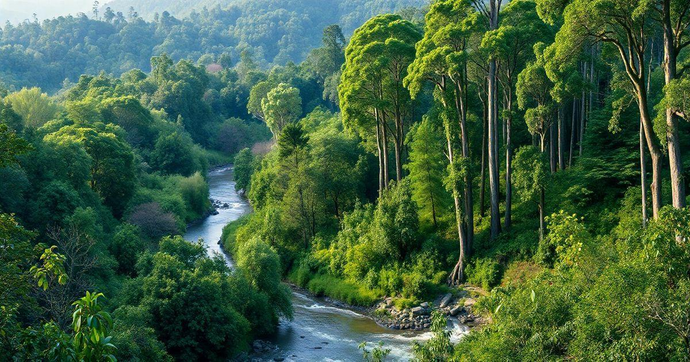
(319, 331)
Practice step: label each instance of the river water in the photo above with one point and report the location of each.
(319, 331)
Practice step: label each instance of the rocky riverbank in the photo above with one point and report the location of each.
(418, 318)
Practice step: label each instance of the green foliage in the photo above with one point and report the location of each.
(564, 242)
(484, 272)
(281, 106)
(92, 326)
(531, 173)
(439, 347)
(261, 266)
(51, 268)
(33, 106)
(426, 167)
(244, 168)
(378, 354)
(348, 292)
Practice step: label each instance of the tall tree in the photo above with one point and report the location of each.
(624, 25)
(675, 19)
(442, 60)
(511, 44)
(371, 92)
(490, 9)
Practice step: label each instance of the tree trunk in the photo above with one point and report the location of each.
(561, 140)
(643, 176)
(398, 158)
(583, 108)
(542, 226)
(492, 100)
(552, 148)
(384, 141)
(509, 169)
(482, 186)
(379, 149)
(653, 148)
(469, 202)
(673, 142)
(573, 131)
(493, 159)
(457, 276)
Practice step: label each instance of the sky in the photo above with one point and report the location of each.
(18, 10)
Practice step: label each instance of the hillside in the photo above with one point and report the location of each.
(48, 53)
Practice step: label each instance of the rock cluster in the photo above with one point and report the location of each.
(419, 317)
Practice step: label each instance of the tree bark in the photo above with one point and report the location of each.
(493, 159)
(653, 148)
(509, 168)
(674, 153)
(495, 7)
(379, 148)
(457, 276)
(573, 131)
(552, 148)
(384, 141)
(482, 186)
(583, 109)
(643, 176)
(561, 139)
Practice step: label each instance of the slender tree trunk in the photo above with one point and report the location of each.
(398, 145)
(482, 186)
(495, 8)
(457, 276)
(379, 149)
(493, 159)
(583, 108)
(653, 148)
(674, 154)
(398, 160)
(509, 167)
(561, 139)
(552, 148)
(643, 177)
(542, 225)
(573, 131)
(591, 80)
(384, 141)
(469, 202)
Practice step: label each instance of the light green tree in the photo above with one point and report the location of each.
(282, 105)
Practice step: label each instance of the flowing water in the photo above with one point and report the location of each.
(319, 331)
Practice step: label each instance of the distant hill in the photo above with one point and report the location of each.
(274, 32)
(347, 13)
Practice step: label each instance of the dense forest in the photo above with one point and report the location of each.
(530, 149)
(53, 53)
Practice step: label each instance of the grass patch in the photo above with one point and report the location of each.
(326, 285)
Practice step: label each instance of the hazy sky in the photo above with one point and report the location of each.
(18, 10)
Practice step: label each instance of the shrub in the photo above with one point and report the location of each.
(484, 272)
(342, 290)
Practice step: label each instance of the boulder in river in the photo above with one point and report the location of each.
(446, 300)
(456, 310)
(416, 311)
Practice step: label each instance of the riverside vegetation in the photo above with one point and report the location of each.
(532, 148)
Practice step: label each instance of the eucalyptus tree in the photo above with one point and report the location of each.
(675, 20)
(442, 57)
(371, 92)
(511, 44)
(490, 9)
(623, 25)
(534, 96)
